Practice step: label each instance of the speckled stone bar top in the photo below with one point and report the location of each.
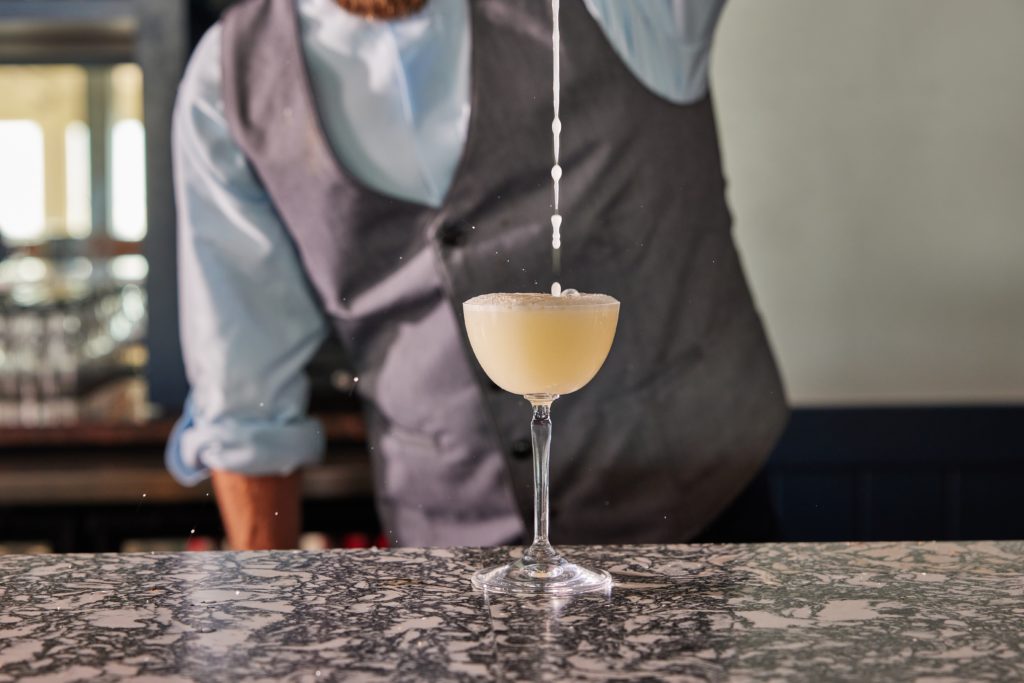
(815, 612)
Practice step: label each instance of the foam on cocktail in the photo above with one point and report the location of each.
(519, 300)
(533, 344)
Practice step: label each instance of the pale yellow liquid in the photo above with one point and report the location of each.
(538, 343)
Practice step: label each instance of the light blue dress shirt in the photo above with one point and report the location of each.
(394, 97)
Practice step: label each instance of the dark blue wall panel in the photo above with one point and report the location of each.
(900, 473)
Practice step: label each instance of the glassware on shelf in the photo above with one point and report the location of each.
(65, 330)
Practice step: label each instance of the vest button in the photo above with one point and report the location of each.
(522, 449)
(452, 235)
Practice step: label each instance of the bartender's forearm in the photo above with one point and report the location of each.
(259, 513)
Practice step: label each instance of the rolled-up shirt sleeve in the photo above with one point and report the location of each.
(249, 320)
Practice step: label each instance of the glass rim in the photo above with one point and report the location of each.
(541, 305)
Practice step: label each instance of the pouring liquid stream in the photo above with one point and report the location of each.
(556, 170)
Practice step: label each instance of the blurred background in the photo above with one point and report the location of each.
(875, 167)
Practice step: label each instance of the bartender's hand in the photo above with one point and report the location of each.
(259, 513)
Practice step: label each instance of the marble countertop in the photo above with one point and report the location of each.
(815, 612)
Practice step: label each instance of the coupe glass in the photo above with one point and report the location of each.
(541, 347)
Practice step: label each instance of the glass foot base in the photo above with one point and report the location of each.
(555, 577)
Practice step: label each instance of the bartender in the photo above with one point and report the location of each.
(361, 167)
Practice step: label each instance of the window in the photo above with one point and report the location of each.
(127, 154)
(128, 181)
(22, 183)
(77, 183)
(72, 153)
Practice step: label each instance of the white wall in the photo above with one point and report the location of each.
(875, 154)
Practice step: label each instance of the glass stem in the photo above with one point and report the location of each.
(540, 431)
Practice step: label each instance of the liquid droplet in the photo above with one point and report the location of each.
(556, 289)
(556, 172)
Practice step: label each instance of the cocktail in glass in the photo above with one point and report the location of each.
(541, 347)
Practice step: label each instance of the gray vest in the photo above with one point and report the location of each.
(689, 401)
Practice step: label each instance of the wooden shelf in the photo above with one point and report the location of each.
(339, 427)
(140, 478)
(116, 462)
